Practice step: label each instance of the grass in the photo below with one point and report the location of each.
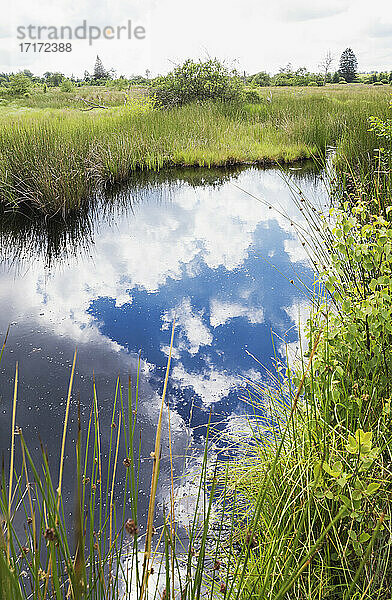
(54, 159)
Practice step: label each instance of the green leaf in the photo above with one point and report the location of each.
(357, 494)
(335, 471)
(352, 445)
(364, 537)
(372, 488)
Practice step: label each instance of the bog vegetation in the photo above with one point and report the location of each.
(303, 509)
(54, 158)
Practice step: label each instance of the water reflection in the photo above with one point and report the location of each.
(112, 277)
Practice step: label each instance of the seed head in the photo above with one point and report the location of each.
(130, 527)
(50, 534)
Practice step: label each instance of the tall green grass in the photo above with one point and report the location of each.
(55, 159)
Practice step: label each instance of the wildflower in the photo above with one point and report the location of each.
(217, 565)
(127, 462)
(222, 588)
(29, 520)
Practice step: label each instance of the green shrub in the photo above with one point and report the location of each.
(19, 84)
(261, 79)
(313, 84)
(378, 83)
(67, 85)
(251, 96)
(209, 80)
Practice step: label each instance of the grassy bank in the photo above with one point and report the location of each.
(55, 158)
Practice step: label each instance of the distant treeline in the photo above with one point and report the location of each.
(302, 77)
(194, 80)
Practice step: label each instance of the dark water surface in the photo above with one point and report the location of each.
(111, 279)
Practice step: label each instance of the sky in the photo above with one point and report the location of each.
(250, 35)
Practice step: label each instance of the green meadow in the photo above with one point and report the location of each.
(54, 156)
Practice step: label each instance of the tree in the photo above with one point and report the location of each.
(348, 65)
(99, 70)
(53, 79)
(325, 65)
(67, 85)
(19, 84)
(262, 79)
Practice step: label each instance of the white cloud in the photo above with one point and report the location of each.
(380, 29)
(211, 385)
(156, 244)
(193, 332)
(299, 313)
(221, 312)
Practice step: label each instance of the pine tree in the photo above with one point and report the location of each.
(348, 65)
(99, 70)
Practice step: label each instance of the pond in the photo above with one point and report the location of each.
(215, 249)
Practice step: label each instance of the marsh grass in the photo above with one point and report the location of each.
(55, 159)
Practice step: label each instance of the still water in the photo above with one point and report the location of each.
(214, 249)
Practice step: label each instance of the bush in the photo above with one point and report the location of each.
(261, 79)
(378, 83)
(251, 96)
(19, 84)
(67, 85)
(209, 80)
(342, 82)
(313, 84)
